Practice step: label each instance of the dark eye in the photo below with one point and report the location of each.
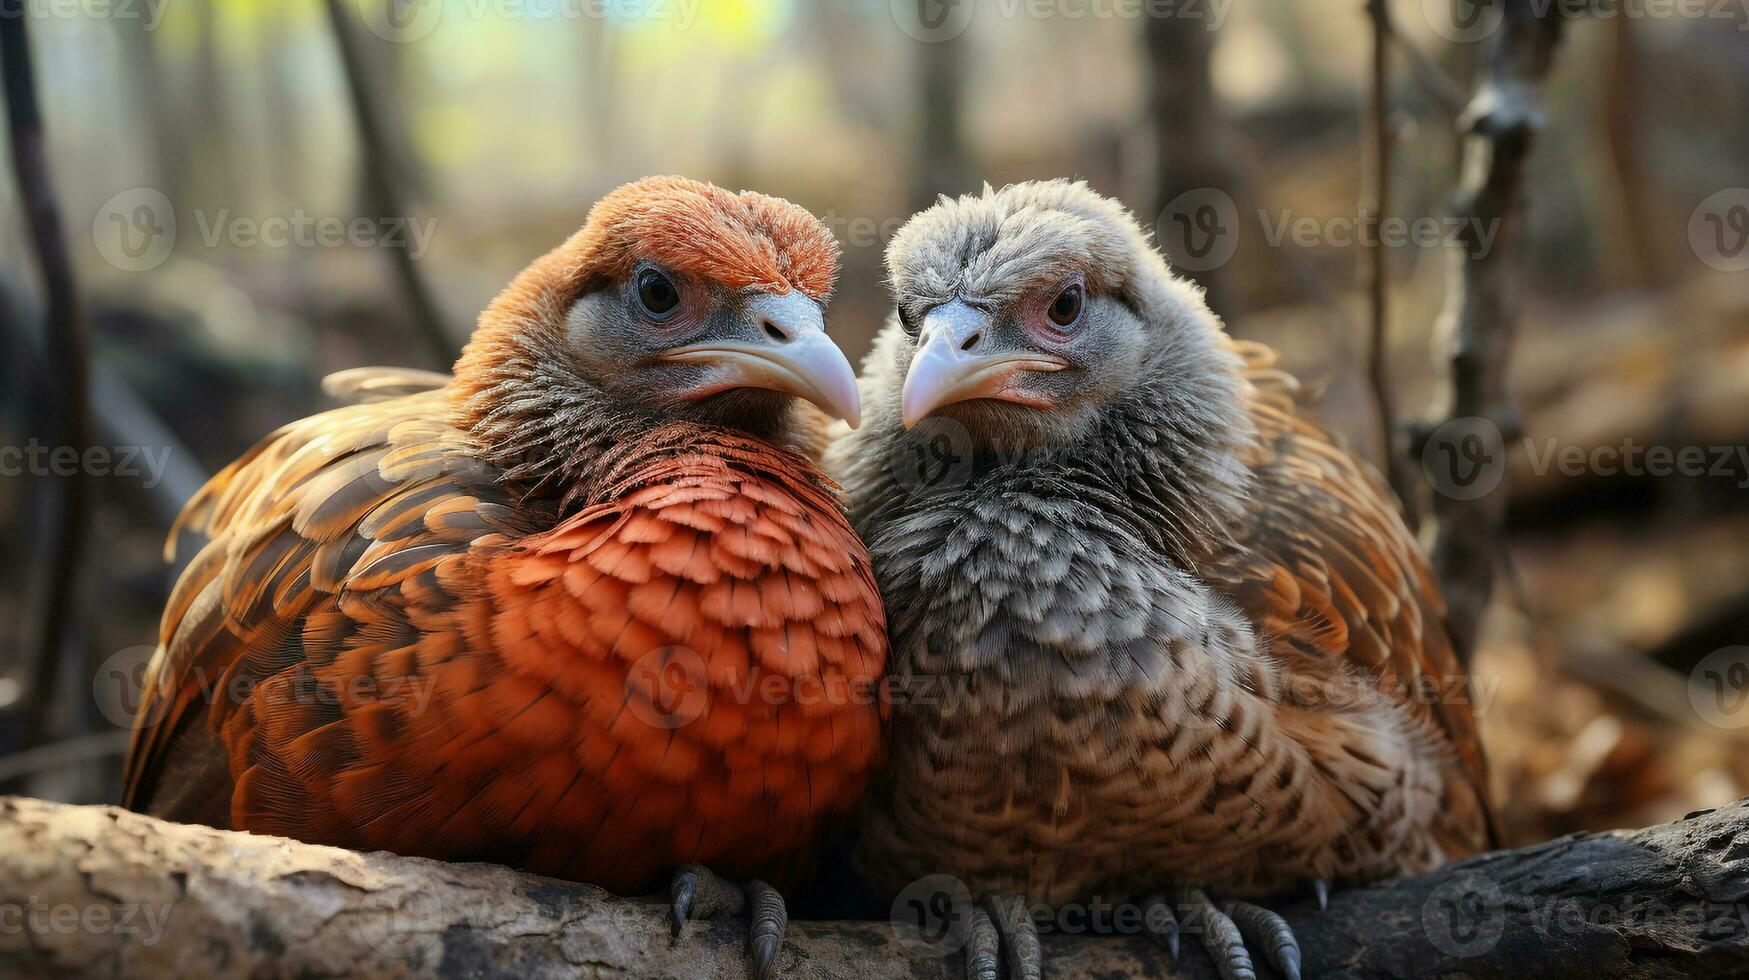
(1066, 308)
(656, 293)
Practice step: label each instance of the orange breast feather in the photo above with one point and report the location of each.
(387, 651)
(718, 630)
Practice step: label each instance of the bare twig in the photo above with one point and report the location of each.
(1434, 81)
(1660, 902)
(1396, 461)
(1480, 321)
(383, 190)
(68, 356)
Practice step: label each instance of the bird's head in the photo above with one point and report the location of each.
(677, 301)
(1029, 312)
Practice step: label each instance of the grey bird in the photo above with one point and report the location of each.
(1155, 635)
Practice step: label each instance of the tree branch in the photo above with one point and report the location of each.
(67, 350)
(1434, 81)
(1499, 128)
(1396, 461)
(383, 191)
(140, 897)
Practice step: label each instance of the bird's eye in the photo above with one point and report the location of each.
(1066, 308)
(656, 293)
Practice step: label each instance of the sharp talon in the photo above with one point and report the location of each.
(1321, 888)
(1019, 936)
(770, 918)
(680, 896)
(983, 958)
(1288, 963)
(765, 955)
(1161, 924)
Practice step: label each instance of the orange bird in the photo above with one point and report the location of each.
(551, 612)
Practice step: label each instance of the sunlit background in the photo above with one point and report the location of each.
(182, 131)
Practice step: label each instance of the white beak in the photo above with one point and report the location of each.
(956, 362)
(794, 356)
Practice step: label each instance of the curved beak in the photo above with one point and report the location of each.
(792, 355)
(956, 362)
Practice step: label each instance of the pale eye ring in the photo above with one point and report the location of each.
(656, 294)
(1066, 308)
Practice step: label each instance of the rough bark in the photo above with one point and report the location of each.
(1499, 130)
(82, 890)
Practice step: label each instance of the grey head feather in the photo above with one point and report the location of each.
(1163, 451)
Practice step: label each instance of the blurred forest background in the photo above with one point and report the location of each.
(175, 130)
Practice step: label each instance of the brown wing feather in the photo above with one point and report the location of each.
(1326, 564)
(353, 505)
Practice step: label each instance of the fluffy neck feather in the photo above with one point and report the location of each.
(556, 435)
(1169, 449)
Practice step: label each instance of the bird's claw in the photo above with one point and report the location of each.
(1229, 935)
(1002, 923)
(770, 918)
(1161, 924)
(1321, 890)
(698, 893)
